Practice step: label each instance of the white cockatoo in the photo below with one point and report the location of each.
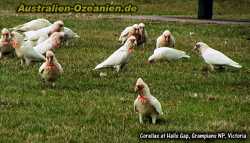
(120, 57)
(50, 70)
(166, 53)
(143, 35)
(54, 41)
(5, 45)
(129, 31)
(213, 57)
(165, 40)
(32, 25)
(146, 104)
(44, 33)
(24, 48)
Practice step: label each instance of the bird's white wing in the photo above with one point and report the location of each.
(42, 38)
(31, 35)
(43, 47)
(212, 56)
(156, 104)
(117, 58)
(34, 55)
(157, 54)
(35, 35)
(31, 53)
(172, 53)
(33, 25)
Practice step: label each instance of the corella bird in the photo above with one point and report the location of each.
(213, 57)
(24, 48)
(5, 45)
(165, 40)
(143, 35)
(53, 42)
(33, 25)
(120, 57)
(146, 104)
(129, 31)
(50, 70)
(166, 53)
(44, 33)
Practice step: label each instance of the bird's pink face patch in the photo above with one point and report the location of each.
(56, 40)
(15, 44)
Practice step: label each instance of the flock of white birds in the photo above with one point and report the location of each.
(36, 40)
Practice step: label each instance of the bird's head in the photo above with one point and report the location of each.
(16, 39)
(5, 33)
(50, 57)
(199, 46)
(57, 26)
(131, 43)
(167, 35)
(136, 28)
(141, 27)
(57, 38)
(151, 59)
(141, 87)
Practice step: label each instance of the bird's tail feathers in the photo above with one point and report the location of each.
(236, 65)
(186, 56)
(99, 66)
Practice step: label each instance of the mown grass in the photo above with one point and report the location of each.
(86, 108)
(223, 9)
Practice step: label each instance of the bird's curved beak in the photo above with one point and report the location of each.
(138, 88)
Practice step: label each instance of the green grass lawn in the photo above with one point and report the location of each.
(223, 9)
(86, 108)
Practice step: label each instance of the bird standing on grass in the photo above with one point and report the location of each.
(166, 53)
(165, 40)
(213, 57)
(146, 104)
(120, 57)
(50, 70)
(5, 45)
(143, 35)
